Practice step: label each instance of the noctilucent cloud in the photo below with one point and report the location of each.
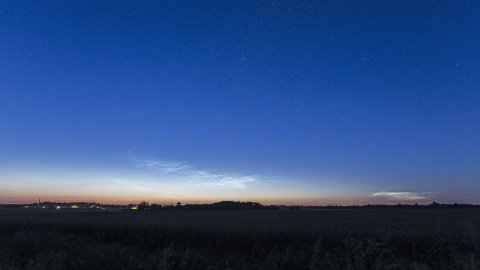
(280, 102)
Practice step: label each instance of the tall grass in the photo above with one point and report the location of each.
(355, 239)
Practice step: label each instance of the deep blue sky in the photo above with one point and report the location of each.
(312, 102)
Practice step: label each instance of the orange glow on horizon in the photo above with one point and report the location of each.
(114, 200)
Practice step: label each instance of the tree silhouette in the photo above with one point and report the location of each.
(143, 206)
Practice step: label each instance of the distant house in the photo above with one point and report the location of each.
(131, 207)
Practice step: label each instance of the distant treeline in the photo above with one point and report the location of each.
(433, 205)
(232, 205)
(61, 205)
(223, 205)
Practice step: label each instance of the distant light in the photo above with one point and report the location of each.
(58, 207)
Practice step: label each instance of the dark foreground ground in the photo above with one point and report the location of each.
(346, 239)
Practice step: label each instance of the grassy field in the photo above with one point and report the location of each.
(344, 239)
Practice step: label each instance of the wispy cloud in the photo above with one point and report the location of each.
(165, 166)
(403, 195)
(183, 171)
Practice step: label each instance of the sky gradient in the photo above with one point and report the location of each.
(280, 102)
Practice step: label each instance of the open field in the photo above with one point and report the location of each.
(345, 239)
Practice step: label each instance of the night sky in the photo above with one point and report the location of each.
(280, 102)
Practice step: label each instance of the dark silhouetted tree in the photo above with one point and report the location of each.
(143, 206)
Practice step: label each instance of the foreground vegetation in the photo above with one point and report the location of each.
(338, 239)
